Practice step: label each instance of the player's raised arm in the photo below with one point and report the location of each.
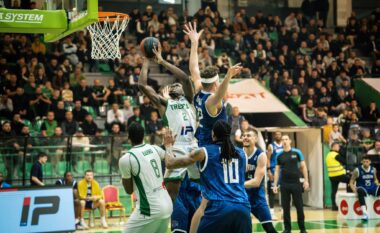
(259, 173)
(172, 162)
(214, 102)
(178, 73)
(191, 31)
(156, 99)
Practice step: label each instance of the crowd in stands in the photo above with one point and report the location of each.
(310, 68)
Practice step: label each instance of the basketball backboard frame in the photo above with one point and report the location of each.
(55, 20)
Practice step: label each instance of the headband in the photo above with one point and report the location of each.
(210, 80)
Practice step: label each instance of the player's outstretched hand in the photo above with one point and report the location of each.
(169, 138)
(165, 92)
(234, 70)
(158, 56)
(191, 31)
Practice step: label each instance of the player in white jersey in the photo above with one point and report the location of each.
(179, 115)
(141, 173)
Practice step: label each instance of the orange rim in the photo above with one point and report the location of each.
(112, 16)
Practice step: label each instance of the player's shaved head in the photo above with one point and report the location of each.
(176, 90)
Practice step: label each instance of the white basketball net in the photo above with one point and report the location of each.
(105, 37)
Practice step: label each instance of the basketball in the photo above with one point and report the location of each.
(147, 46)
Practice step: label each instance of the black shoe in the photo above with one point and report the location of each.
(335, 208)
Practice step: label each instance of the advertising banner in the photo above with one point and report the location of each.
(32, 21)
(37, 210)
(251, 97)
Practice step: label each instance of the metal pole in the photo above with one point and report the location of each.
(112, 143)
(24, 160)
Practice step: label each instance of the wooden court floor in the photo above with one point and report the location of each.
(316, 221)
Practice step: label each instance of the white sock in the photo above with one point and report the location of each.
(103, 219)
(364, 209)
(76, 220)
(82, 220)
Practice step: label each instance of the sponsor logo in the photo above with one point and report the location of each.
(357, 208)
(376, 206)
(50, 206)
(344, 207)
(21, 18)
(186, 130)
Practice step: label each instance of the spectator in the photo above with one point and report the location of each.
(336, 136)
(294, 100)
(3, 184)
(291, 23)
(320, 118)
(36, 173)
(118, 140)
(136, 117)
(337, 173)
(224, 62)
(127, 110)
(59, 112)
(90, 196)
(371, 112)
(367, 139)
(67, 94)
(376, 149)
(146, 108)
(154, 128)
(48, 126)
(115, 115)
(69, 125)
(89, 126)
(327, 128)
(39, 103)
(376, 130)
(309, 111)
(68, 180)
(99, 95)
(20, 103)
(78, 112)
(17, 124)
(6, 107)
(116, 93)
(83, 93)
(77, 76)
(70, 50)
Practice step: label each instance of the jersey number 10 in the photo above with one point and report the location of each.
(231, 171)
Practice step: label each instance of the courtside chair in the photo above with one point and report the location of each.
(111, 198)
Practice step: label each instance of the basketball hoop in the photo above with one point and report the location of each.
(106, 33)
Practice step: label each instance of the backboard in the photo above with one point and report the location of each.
(80, 13)
(56, 19)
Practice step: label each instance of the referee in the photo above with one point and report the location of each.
(290, 162)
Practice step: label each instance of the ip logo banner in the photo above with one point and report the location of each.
(37, 210)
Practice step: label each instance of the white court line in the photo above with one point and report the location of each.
(328, 224)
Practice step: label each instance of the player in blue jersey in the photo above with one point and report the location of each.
(273, 150)
(208, 100)
(366, 183)
(256, 168)
(222, 168)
